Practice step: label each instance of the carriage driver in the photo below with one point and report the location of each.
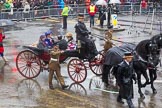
(82, 34)
(125, 75)
(54, 65)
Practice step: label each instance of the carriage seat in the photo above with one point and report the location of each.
(84, 52)
(35, 49)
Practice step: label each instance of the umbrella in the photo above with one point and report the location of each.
(6, 22)
(114, 2)
(101, 2)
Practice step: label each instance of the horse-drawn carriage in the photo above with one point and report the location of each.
(31, 61)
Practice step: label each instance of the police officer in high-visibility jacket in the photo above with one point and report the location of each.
(64, 14)
(92, 11)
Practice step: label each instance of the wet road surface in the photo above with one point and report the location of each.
(18, 92)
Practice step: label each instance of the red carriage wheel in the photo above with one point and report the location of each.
(28, 64)
(77, 70)
(96, 64)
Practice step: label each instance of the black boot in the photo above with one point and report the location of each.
(65, 86)
(119, 99)
(106, 84)
(130, 103)
(51, 87)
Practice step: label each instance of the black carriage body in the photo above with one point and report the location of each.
(43, 55)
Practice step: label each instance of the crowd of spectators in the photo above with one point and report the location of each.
(27, 5)
(37, 4)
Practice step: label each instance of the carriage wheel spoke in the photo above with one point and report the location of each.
(22, 59)
(100, 69)
(97, 69)
(34, 70)
(22, 66)
(72, 67)
(80, 76)
(35, 67)
(29, 72)
(22, 62)
(73, 73)
(26, 71)
(25, 55)
(75, 76)
(94, 68)
(82, 73)
(28, 56)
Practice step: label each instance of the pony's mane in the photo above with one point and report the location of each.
(155, 37)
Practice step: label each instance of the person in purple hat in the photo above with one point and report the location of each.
(49, 41)
(41, 44)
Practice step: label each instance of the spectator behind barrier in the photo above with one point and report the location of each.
(7, 6)
(26, 7)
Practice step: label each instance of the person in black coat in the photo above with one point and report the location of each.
(82, 34)
(63, 44)
(102, 15)
(125, 77)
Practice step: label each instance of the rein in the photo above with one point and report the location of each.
(101, 37)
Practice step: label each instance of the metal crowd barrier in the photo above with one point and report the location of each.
(18, 14)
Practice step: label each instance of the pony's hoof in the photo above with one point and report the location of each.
(142, 97)
(143, 85)
(149, 82)
(154, 91)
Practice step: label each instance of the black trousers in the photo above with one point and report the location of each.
(108, 19)
(64, 22)
(101, 22)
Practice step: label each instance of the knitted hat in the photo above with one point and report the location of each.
(69, 34)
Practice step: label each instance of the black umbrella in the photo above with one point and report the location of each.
(6, 22)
